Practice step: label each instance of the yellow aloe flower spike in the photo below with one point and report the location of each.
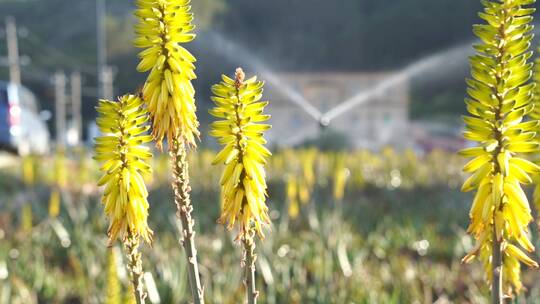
(163, 25)
(292, 197)
(500, 97)
(113, 295)
(28, 168)
(54, 203)
(124, 161)
(340, 175)
(243, 183)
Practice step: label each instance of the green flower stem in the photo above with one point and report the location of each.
(134, 265)
(183, 204)
(496, 268)
(249, 263)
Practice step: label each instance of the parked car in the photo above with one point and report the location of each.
(22, 126)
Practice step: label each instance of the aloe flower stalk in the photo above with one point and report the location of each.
(124, 165)
(292, 197)
(182, 199)
(163, 26)
(113, 295)
(134, 265)
(500, 97)
(243, 183)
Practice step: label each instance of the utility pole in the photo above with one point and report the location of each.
(108, 85)
(60, 108)
(13, 51)
(101, 46)
(76, 101)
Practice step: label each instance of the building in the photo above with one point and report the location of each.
(381, 120)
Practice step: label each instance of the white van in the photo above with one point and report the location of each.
(22, 126)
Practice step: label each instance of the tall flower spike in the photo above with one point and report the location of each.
(243, 183)
(163, 26)
(124, 164)
(499, 99)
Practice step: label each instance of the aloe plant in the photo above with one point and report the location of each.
(163, 26)
(124, 161)
(243, 183)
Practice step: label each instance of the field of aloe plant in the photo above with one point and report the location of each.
(117, 224)
(355, 227)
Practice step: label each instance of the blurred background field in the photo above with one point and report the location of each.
(353, 227)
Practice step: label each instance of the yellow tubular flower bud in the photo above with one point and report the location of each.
(163, 25)
(124, 161)
(243, 182)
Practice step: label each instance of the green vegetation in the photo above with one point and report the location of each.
(399, 237)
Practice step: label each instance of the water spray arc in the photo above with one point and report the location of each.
(451, 57)
(235, 51)
(455, 54)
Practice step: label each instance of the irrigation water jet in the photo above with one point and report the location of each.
(235, 51)
(427, 64)
(447, 57)
(431, 64)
